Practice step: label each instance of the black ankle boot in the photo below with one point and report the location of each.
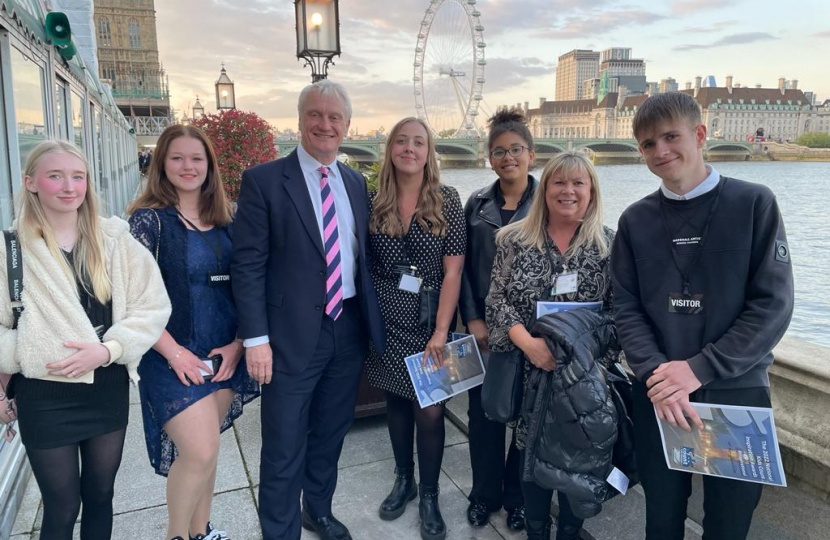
(567, 532)
(538, 529)
(404, 490)
(432, 524)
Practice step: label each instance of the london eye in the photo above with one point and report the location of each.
(449, 68)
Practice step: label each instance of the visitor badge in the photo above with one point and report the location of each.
(410, 283)
(217, 279)
(564, 284)
(618, 480)
(687, 304)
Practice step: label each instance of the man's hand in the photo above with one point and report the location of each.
(673, 413)
(478, 329)
(672, 382)
(259, 361)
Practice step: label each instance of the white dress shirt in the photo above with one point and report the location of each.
(345, 222)
(710, 183)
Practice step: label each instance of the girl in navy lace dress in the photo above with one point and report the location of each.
(184, 218)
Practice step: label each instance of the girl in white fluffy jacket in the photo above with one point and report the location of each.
(93, 303)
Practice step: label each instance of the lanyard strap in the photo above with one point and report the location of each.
(217, 249)
(686, 274)
(14, 271)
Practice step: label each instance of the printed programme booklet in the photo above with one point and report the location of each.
(463, 369)
(543, 308)
(736, 442)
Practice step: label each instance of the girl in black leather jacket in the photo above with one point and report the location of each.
(496, 483)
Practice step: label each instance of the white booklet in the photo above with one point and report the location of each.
(543, 308)
(736, 442)
(462, 369)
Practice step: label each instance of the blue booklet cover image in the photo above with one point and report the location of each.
(462, 369)
(736, 442)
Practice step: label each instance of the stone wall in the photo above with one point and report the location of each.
(800, 381)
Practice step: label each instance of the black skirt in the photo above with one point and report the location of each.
(53, 414)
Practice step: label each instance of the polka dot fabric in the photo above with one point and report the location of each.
(400, 309)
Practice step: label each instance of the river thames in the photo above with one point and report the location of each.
(796, 185)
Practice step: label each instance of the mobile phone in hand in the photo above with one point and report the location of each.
(214, 363)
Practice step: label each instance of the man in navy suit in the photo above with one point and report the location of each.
(306, 307)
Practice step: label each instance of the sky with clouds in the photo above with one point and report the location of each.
(756, 41)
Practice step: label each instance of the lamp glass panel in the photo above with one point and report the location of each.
(321, 25)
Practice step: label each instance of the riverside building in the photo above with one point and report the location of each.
(730, 112)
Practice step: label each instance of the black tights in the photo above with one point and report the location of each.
(64, 484)
(403, 415)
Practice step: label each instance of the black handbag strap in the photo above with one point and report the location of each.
(14, 272)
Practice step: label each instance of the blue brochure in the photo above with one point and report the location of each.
(543, 308)
(462, 370)
(736, 442)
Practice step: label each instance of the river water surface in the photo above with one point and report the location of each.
(798, 187)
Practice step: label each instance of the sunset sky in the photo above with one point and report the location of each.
(755, 41)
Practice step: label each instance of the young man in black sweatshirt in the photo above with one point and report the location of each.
(703, 291)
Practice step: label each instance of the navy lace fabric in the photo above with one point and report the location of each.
(214, 324)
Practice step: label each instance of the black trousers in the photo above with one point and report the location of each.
(496, 482)
(728, 505)
(305, 417)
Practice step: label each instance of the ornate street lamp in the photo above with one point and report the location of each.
(318, 34)
(225, 98)
(198, 109)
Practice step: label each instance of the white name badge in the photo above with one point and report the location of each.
(565, 284)
(410, 283)
(619, 480)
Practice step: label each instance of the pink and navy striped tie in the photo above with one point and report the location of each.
(331, 243)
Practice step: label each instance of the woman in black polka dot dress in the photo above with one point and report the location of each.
(415, 222)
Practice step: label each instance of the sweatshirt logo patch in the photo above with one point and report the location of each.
(782, 252)
(691, 304)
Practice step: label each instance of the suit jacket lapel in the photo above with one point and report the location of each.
(297, 189)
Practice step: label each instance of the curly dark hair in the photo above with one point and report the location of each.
(508, 119)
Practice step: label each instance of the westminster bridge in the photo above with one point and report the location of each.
(473, 152)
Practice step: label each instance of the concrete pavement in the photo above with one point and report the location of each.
(366, 474)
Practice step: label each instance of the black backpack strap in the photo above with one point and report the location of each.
(14, 271)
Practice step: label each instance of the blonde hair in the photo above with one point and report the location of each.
(386, 218)
(88, 254)
(159, 192)
(532, 230)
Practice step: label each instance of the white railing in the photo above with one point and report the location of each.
(150, 125)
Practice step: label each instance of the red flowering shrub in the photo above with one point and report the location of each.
(241, 139)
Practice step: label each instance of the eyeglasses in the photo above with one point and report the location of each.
(514, 151)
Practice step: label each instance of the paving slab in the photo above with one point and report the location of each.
(366, 442)
(359, 493)
(233, 512)
(138, 486)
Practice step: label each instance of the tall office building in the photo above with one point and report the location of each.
(668, 85)
(573, 68)
(128, 59)
(629, 72)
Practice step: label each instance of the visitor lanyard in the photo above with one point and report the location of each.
(217, 249)
(686, 274)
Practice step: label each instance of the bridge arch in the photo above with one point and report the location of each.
(547, 148)
(445, 147)
(360, 152)
(609, 146)
(730, 148)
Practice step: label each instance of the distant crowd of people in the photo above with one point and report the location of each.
(313, 280)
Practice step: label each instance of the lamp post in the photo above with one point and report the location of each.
(225, 97)
(318, 34)
(198, 109)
